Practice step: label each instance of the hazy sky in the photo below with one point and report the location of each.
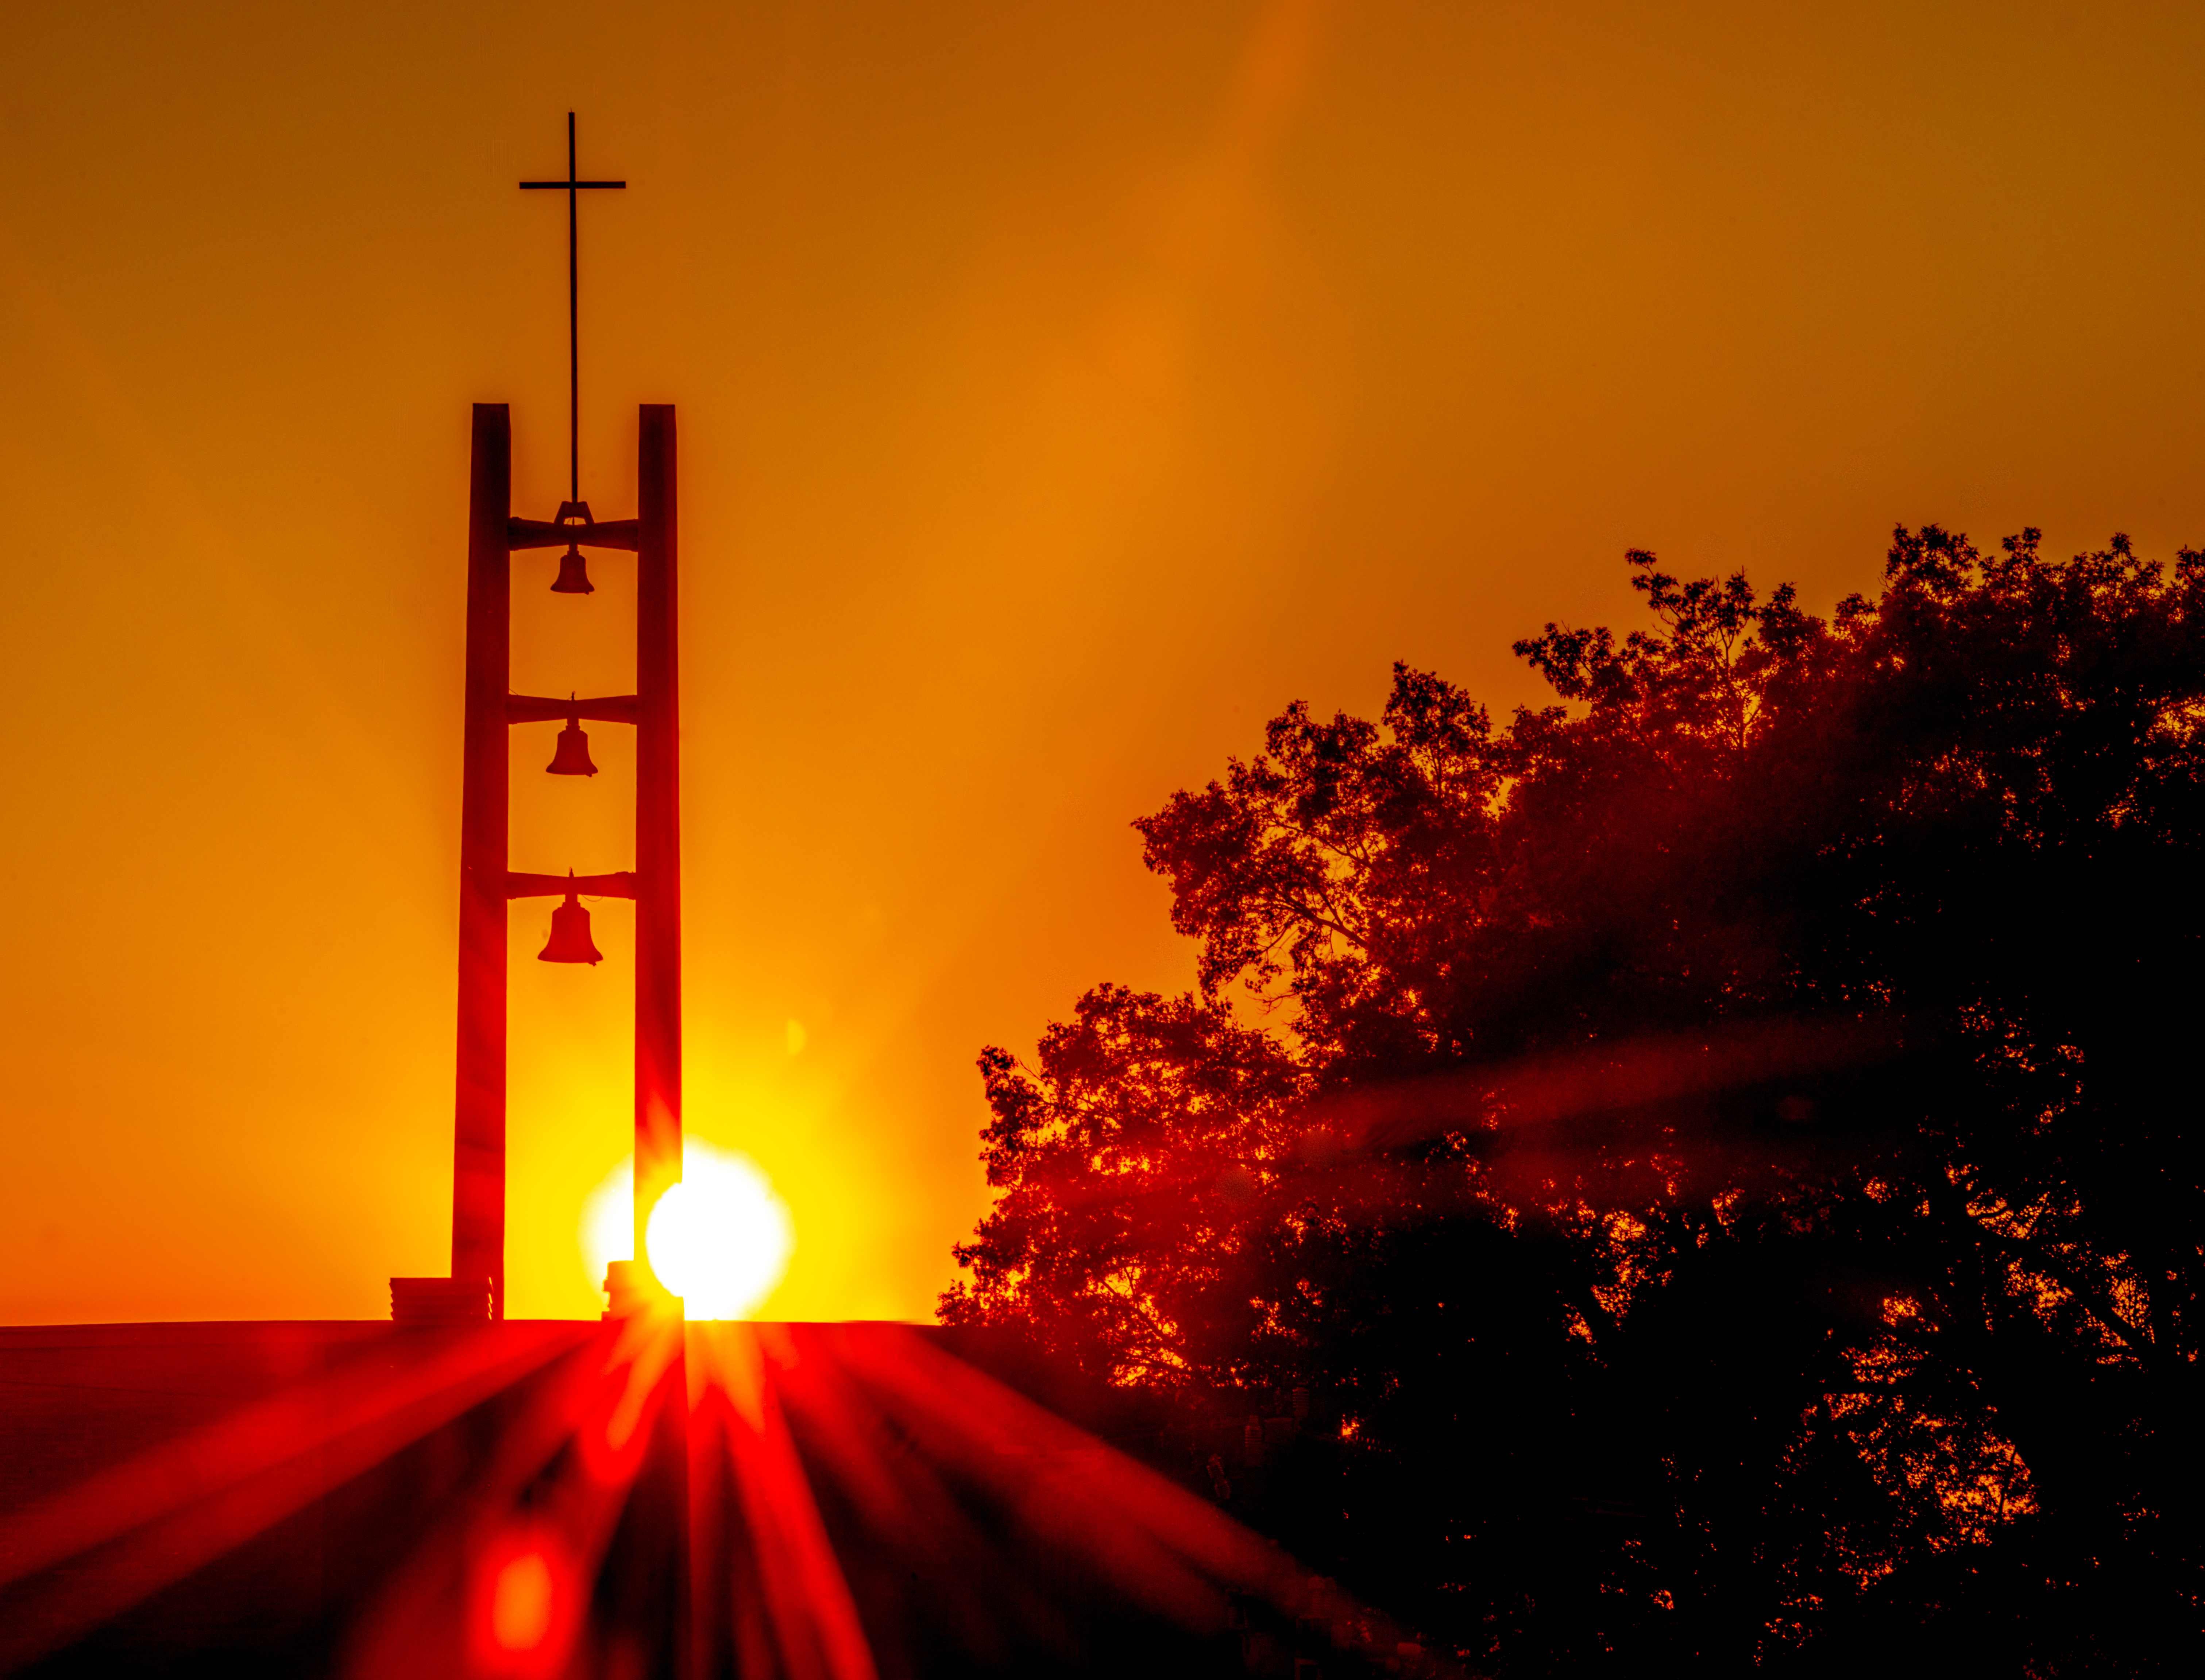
(1063, 389)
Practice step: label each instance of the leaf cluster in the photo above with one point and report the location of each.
(1753, 1091)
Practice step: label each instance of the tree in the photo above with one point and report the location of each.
(1769, 1064)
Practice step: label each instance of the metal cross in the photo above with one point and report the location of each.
(571, 186)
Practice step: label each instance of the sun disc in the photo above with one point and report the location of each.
(721, 1239)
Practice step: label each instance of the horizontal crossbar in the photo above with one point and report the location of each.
(545, 534)
(542, 709)
(620, 884)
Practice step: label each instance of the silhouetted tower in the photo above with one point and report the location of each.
(488, 884)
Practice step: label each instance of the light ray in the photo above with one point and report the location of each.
(169, 1511)
(781, 1500)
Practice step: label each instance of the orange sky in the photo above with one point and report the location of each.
(1062, 388)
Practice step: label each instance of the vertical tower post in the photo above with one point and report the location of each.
(478, 1147)
(657, 823)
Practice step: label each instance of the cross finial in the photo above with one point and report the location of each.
(572, 187)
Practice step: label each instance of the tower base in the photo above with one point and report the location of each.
(439, 1301)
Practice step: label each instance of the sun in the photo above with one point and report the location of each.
(719, 1239)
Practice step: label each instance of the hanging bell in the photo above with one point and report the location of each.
(570, 935)
(573, 576)
(572, 756)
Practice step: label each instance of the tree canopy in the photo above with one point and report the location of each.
(1723, 1146)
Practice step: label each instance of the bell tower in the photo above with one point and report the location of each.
(475, 1290)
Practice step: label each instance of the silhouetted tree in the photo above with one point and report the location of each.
(1725, 1146)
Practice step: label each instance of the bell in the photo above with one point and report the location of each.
(573, 576)
(570, 935)
(572, 756)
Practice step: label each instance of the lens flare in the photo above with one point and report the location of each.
(520, 1603)
(529, 1599)
(721, 1239)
